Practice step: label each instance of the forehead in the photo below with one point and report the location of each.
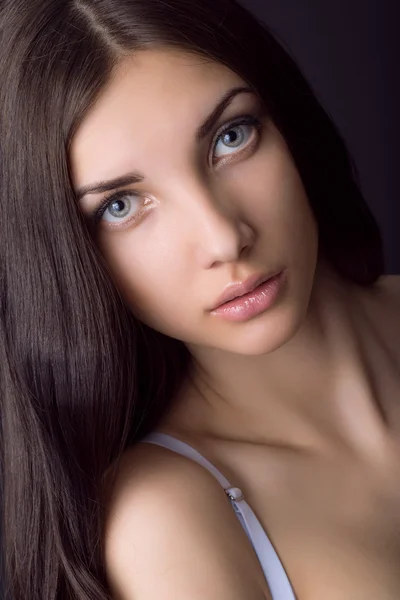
(150, 91)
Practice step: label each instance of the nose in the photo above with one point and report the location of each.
(217, 231)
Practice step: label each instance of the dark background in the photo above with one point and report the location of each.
(349, 51)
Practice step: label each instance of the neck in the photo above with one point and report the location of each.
(313, 387)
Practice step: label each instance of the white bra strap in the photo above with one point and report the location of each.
(274, 571)
(167, 441)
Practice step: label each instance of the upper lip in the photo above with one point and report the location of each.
(235, 290)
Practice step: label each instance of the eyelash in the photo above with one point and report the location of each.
(114, 196)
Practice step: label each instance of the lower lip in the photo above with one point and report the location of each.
(254, 303)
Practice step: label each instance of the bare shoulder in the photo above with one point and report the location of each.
(385, 298)
(390, 285)
(385, 312)
(171, 533)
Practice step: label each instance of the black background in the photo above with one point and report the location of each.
(349, 51)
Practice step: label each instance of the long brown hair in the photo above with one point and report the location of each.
(80, 378)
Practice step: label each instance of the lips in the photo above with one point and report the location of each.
(235, 290)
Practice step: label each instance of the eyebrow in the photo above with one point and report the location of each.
(201, 133)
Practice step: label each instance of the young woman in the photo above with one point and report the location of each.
(200, 367)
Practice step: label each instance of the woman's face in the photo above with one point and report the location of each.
(212, 200)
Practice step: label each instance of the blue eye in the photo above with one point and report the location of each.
(118, 206)
(118, 209)
(236, 136)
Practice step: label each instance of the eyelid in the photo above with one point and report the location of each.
(237, 122)
(230, 124)
(99, 211)
(147, 205)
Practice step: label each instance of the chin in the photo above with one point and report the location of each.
(261, 335)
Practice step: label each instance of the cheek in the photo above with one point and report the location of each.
(151, 280)
(273, 191)
(277, 207)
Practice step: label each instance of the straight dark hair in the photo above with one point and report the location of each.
(81, 379)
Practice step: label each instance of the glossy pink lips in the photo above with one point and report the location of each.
(253, 303)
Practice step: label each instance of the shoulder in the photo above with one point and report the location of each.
(171, 532)
(392, 284)
(389, 286)
(384, 311)
(383, 297)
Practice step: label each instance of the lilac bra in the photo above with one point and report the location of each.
(273, 569)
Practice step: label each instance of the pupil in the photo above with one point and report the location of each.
(118, 205)
(120, 208)
(231, 137)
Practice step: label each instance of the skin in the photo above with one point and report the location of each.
(310, 375)
(217, 214)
